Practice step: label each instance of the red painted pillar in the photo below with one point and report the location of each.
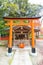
(10, 38)
(33, 36)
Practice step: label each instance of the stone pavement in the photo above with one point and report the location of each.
(21, 57)
(38, 60)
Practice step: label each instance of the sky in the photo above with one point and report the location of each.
(36, 2)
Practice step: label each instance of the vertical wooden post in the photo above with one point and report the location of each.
(33, 37)
(10, 38)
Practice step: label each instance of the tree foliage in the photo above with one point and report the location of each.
(17, 8)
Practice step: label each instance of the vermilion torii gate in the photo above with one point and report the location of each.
(21, 23)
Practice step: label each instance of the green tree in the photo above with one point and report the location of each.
(17, 8)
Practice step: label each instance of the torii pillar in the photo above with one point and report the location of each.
(10, 38)
(10, 24)
(33, 36)
(33, 49)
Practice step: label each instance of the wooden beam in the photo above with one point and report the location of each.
(29, 18)
(22, 24)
